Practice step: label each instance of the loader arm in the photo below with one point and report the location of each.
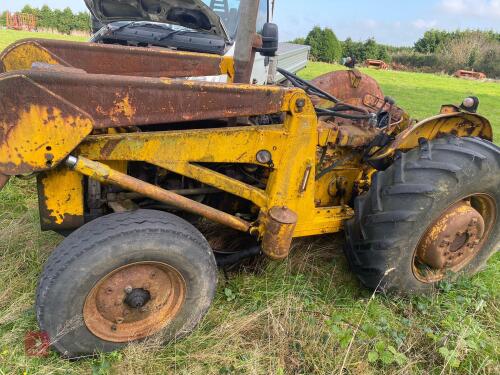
(108, 59)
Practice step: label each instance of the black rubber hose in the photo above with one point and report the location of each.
(231, 260)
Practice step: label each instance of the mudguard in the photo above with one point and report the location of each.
(460, 124)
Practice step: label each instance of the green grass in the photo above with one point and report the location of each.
(306, 315)
(10, 36)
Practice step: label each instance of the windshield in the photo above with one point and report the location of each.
(229, 12)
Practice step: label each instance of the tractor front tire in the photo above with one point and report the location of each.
(122, 278)
(432, 215)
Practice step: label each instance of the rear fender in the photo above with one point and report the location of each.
(460, 124)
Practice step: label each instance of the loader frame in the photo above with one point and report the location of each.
(64, 123)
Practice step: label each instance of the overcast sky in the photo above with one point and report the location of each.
(389, 21)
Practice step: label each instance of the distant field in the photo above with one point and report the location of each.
(10, 36)
(423, 94)
(306, 315)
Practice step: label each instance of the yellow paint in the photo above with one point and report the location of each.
(123, 108)
(63, 194)
(227, 67)
(460, 124)
(179, 151)
(22, 56)
(40, 139)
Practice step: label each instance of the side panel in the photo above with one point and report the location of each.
(61, 199)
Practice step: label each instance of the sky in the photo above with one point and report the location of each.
(393, 22)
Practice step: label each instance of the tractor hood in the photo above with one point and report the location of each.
(193, 14)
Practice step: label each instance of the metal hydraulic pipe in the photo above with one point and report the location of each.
(105, 174)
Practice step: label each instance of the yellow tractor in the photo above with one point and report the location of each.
(124, 140)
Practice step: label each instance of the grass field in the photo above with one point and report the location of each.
(307, 315)
(10, 36)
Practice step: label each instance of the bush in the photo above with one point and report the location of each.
(369, 49)
(470, 50)
(324, 45)
(421, 61)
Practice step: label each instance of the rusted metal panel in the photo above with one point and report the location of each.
(116, 101)
(103, 173)
(115, 60)
(347, 84)
(377, 64)
(37, 128)
(469, 74)
(280, 225)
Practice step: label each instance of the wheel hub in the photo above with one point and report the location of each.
(134, 301)
(454, 239)
(137, 298)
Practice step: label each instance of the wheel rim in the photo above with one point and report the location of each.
(134, 301)
(455, 238)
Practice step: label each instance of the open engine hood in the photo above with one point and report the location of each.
(193, 14)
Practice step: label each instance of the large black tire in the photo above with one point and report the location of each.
(407, 198)
(103, 246)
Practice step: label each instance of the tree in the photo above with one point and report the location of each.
(299, 41)
(324, 45)
(431, 41)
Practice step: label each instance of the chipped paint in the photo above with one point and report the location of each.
(61, 204)
(23, 54)
(39, 139)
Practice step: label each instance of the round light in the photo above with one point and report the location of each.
(469, 103)
(264, 157)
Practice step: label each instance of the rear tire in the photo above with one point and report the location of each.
(407, 200)
(125, 248)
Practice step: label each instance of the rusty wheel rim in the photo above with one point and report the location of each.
(134, 302)
(455, 238)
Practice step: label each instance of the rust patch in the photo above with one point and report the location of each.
(341, 85)
(109, 147)
(141, 101)
(280, 226)
(110, 59)
(134, 302)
